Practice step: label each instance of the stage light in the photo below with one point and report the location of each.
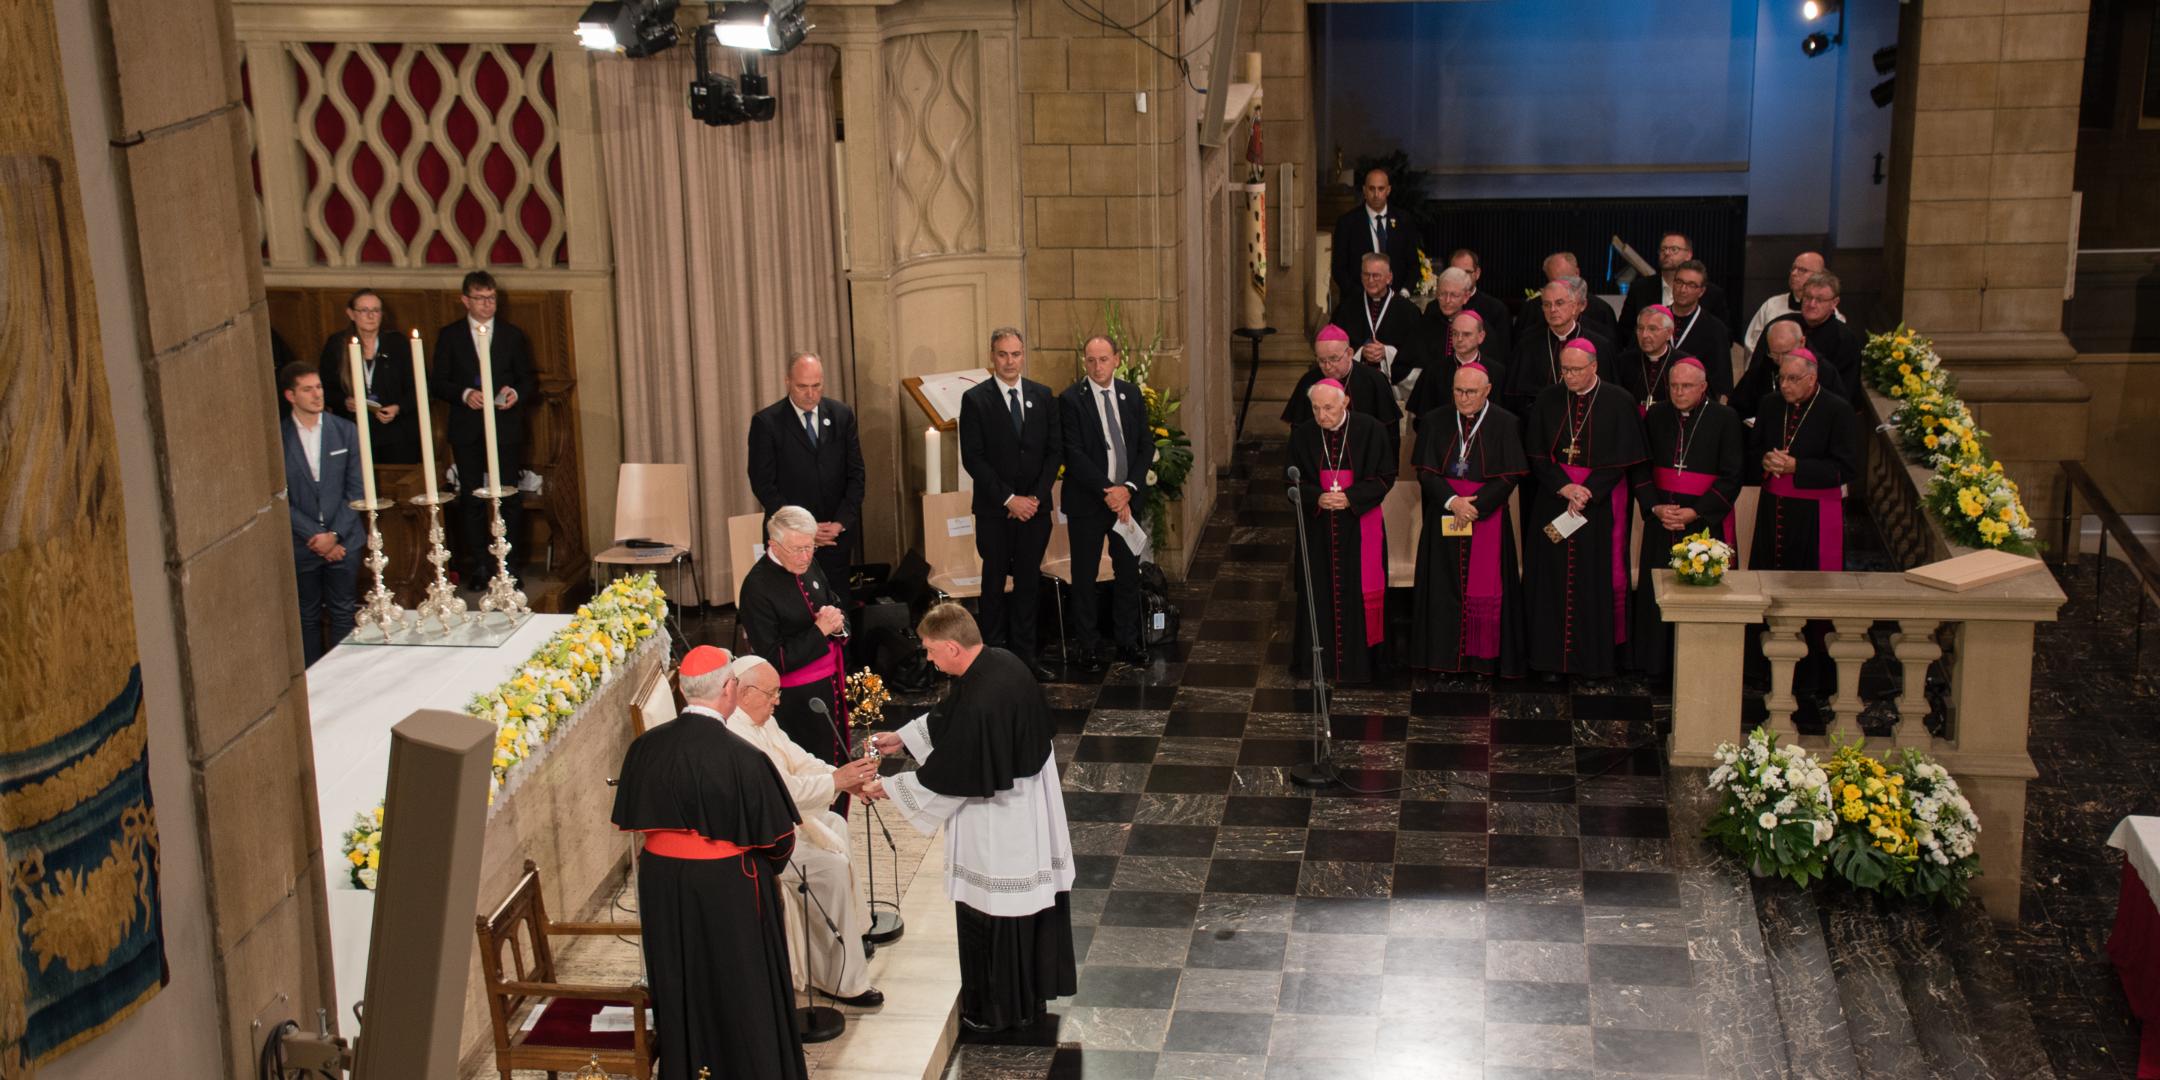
(1815, 44)
(1816, 9)
(596, 27)
(1886, 60)
(773, 27)
(1884, 92)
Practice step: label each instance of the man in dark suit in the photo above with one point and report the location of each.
(1674, 251)
(1011, 444)
(386, 367)
(1386, 331)
(1109, 452)
(1373, 225)
(1596, 314)
(804, 452)
(1834, 343)
(454, 377)
(322, 479)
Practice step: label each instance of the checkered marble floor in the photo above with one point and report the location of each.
(1494, 893)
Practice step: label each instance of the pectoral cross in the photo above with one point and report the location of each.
(1572, 453)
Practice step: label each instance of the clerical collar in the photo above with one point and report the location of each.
(1660, 354)
(1679, 314)
(1591, 389)
(1380, 299)
(775, 557)
(1568, 335)
(1464, 361)
(702, 710)
(1339, 424)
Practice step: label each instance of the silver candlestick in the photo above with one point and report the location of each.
(443, 604)
(380, 609)
(503, 596)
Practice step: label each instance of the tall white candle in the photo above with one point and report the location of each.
(367, 445)
(487, 409)
(933, 461)
(427, 423)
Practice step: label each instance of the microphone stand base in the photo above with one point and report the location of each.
(1319, 774)
(886, 925)
(819, 1023)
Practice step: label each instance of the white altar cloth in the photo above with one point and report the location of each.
(2139, 840)
(356, 694)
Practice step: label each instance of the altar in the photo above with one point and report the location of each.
(553, 809)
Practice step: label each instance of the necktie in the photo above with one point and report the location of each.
(1013, 397)
(809, 427)
(1379, 228)
(1117, 439)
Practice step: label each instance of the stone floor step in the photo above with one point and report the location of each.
(1934, 997)
(1810, 1007)
(1864, 964)
(2008, 1036)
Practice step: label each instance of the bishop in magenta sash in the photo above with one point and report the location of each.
(1688, 483)
(1583, 437)
(1346, 464)
(1467, 611)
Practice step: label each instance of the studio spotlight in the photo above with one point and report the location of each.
(634, 28)
(1884, 92)
(1815, 44)
(1886, 60)
(1816, 9)
(773, 27)
(596, 27)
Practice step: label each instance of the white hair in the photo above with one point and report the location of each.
(793, 520)
(1657, 316)
(1578, 289)
(709, 685)
(1455, 275)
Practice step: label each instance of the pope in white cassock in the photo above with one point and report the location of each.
(828, 951)
(987, 777)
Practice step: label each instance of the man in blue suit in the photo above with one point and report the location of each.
(322, 480)
(1109, 453)
(1011, 443)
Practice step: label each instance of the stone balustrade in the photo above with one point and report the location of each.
(1983, 639)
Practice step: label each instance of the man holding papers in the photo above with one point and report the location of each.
(1109, 452)
(1582, 437)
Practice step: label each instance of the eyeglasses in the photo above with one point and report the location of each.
(481, 298)
(1683, 283)
(1570, 369)
(1794, 380)
(793, 549)
(746, 688)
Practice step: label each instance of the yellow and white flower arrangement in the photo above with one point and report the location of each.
(1903, 827)
(1901, 364)
(363, 848)
(554, 682)
(1978, 506)
(1701, 559)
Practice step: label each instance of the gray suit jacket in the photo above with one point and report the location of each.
(323, 506)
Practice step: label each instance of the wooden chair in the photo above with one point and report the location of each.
(1057, 562)
(652, 502)
(746, 545)
(955, 565)
(655, 701)
(561, 1039)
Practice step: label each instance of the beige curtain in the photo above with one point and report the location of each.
(726, 249)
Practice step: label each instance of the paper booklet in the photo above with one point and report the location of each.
(1455, 526)
(1134, 535)
(1564, 526)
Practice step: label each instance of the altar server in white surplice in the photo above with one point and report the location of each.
(838, 917)
(987, 776)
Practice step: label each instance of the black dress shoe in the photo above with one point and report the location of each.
(976, 1027)
(1135, 657)
(1043, 674)
(1090, 661)
(868, 999)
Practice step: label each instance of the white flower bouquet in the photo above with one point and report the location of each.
(1776, 811)
(1701, 559)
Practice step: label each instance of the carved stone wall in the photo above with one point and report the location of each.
(933, 119)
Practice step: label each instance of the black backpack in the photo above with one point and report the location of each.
(1158, 616)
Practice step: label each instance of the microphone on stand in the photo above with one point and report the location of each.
(1290, 475)
(813, 1022)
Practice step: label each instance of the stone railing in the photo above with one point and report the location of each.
(1982, 638)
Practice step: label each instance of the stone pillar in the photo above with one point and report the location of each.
(1979, 235)
(1710, 625)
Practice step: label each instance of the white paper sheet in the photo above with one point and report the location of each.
(960, 526)
(1565, 525)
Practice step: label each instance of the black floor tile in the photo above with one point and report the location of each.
(1413, 882)
(1610, 707)
(1450, 703)
(1549, 852)
(1626, 889)
(1074, 1063)
(1093, 871)
(1244, 950)
(1533, 787)
(1457, 817)
(1552, 730)
(1127, 987)
(1237, 676)
(1458, 756)
(1369, 727)
(1619, 761)
(1136, 697)
(1355, 845)
(1636, 821)
(1534, 922)
(1536, 1003)
(1641, 965)
(1194, 724)
(1127, 749)
(1282, 699)
(1190, 779)
(1272, 810)
(1188, 840)
(1196, 1032)
(1634, 1052)
(1233, 630)
(1100, 805)
(1270, 877)
(1156, 910)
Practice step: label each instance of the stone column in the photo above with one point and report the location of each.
(1979, 235)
